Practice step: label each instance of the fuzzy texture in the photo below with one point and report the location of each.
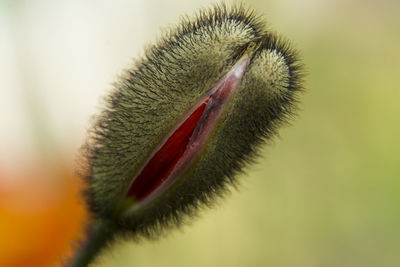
(153, 96)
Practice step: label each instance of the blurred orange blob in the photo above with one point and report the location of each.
(42, 215)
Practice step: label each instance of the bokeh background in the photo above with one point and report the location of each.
(327, 193)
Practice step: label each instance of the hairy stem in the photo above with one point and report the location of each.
(100, 233)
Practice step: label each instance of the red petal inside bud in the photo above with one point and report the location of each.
(163, 162)
(183, 144)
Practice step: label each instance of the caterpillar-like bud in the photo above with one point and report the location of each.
(188, 117)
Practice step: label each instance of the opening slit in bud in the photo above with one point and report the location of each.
(181, 146)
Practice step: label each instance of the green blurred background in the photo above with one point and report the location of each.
(327, 193)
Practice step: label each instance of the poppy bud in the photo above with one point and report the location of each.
(184, 121)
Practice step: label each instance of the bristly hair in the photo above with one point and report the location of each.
(152, 97)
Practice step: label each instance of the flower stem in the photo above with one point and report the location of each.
(100, 234)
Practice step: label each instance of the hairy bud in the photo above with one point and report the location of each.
(188, 117)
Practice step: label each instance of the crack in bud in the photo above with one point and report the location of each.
(179, 149)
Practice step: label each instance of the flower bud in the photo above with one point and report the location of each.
(184, 121)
